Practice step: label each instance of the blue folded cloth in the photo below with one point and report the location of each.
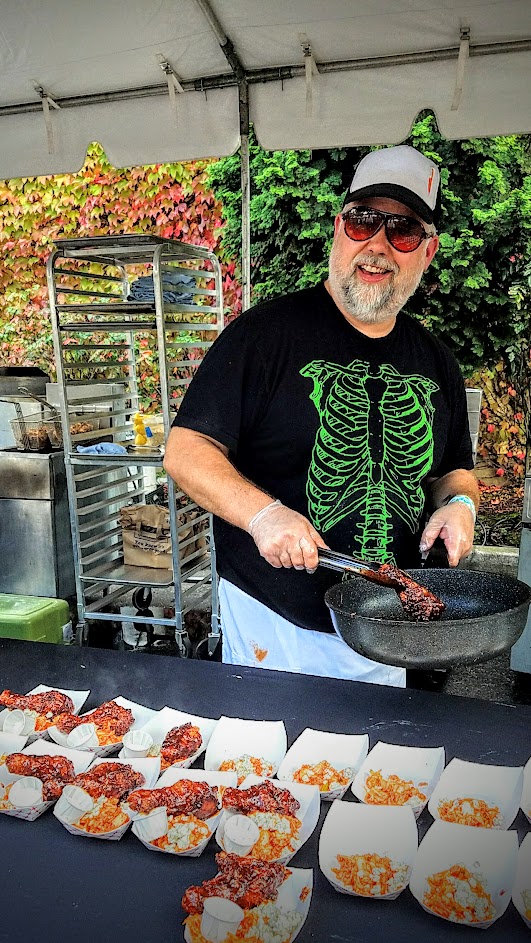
(103, 448)
(142, 289)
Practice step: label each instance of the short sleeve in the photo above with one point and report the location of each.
(229, 390)
(458, 451)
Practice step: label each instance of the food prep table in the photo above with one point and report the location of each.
(54, 885)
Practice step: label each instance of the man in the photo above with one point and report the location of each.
(330, 415)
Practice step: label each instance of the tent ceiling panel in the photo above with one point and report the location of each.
(267, 33)
(140, 131)
(76, 47)
(379, 106)
(100, 62)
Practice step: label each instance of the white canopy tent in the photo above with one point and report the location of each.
(319, 74)
(176, 80)
(169, 80)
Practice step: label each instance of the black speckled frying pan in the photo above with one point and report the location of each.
(485, 615)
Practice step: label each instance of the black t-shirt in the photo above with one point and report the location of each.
(341, 427)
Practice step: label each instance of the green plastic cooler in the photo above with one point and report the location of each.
(34, 618)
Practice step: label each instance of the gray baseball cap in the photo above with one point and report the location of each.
(399, 173)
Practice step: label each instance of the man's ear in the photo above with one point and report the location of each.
(431, 249)
(337, 223)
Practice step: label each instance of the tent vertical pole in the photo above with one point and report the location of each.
(246, 223)
(246, 194)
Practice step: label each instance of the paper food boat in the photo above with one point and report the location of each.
(81, 762)
(150, 827)
(10, 743)
(141, 714)
(293, 903)
(168, 718)
(78, 697)
(418, 766)
(255, 747)
(525, 803)
(522, 883)
(368, 851)
(477, 794)
(465, 874)
(343, 752)
(308, 816)
(150, 769)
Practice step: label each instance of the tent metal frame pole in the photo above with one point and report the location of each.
(245, 171)
(277, 74)
(246, 222)
(240, 77)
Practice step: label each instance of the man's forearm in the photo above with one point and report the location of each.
(455, 482)
(202, 469)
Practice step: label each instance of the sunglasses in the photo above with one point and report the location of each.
(404, 233)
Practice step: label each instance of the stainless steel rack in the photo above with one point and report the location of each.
(101, 335)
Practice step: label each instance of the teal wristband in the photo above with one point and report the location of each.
(464, 499)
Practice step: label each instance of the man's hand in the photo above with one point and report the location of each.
(455, 525)
(285, 538)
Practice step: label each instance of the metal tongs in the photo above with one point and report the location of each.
(416, 599)
(346, 564)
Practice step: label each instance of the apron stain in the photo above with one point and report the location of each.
(259, 653)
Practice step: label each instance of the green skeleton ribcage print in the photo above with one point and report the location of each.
(372, 451)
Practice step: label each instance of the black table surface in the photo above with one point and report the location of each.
(57, 886)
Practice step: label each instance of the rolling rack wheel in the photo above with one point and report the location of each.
(141, 600)
(208, 649)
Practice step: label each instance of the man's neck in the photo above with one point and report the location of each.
(380, 329)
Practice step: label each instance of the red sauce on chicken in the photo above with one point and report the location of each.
(110, 779)
(417, 601)
(116, 719)
(265, 797)
(246, 881)
(182, 798)
(53, 771)
(180, 743)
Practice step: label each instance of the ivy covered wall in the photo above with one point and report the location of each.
(169, 200)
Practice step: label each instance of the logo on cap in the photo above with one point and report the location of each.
(430, 179)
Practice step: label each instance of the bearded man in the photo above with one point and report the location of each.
(330, 417)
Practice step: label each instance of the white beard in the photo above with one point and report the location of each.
(371, 304)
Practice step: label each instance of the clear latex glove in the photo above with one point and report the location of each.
(285, 538)
(454, 523)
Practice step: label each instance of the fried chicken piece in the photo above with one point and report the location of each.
(265, 797)
(110, 779)
(246, 881)
(53, 771)
(183, 798)
(416, 600)
(180, 743)
(49, 703)
(116, 718)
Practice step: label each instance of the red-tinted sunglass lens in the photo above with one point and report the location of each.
(404, 234)
(361, 226)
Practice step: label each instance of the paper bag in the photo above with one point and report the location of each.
(146, 536)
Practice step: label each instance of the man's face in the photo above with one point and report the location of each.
(371, 281)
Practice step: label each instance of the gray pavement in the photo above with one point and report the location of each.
(491, 681)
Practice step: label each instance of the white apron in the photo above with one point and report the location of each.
(256, 636)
